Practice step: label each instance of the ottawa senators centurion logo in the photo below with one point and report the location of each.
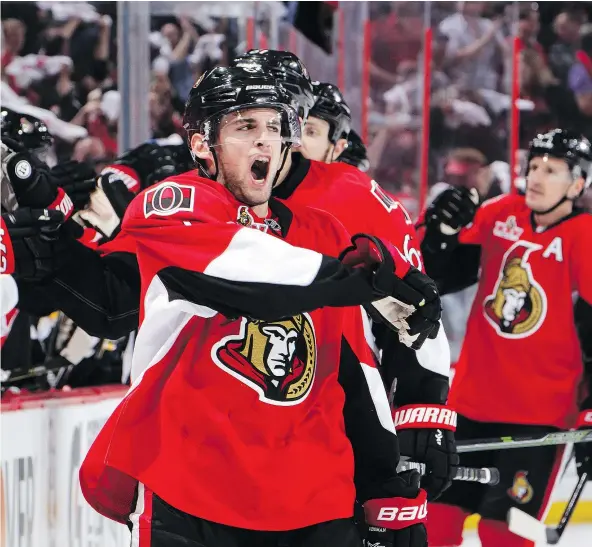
(275, 358)
(518, 305)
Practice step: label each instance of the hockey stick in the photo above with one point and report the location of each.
(482, 475)
(526, 526)
(18, 374)
(546, 439)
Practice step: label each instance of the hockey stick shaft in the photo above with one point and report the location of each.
(571, 504)
(19, 374)
(503, 443)
(482, 475)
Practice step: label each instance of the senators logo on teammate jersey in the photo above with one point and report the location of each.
(518, 304)
(275, 358)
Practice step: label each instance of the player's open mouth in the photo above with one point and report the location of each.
(260, 169)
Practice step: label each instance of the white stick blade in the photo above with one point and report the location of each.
(523, 525)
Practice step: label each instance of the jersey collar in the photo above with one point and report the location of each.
(283, 214)
(537, 229)
(297, 173)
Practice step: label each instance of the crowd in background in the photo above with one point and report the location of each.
(62, 57)
(471, 82)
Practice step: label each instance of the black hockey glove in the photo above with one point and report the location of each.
(38, 238)
(78, 179)
(583, 451)
(436, 448)
(425, 429)
(29, 177)
(453, 209)
(398, 519)
(413, 307)
(143, 166)
(117, 193)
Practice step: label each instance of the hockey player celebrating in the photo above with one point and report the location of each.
(242, 386)
(110, 285)
(277, 360)
(521, 363)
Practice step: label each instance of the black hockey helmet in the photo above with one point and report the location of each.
(565, 145)
(28, 130)
(330, 106)
(355, 154)
(223, 90)
(288, 69)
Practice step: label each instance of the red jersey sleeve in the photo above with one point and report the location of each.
(186, 235)
(581, 263)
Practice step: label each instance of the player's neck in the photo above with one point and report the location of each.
(261, 210)
(553, 217)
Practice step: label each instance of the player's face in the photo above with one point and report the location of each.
(315, 140)
(280, 349)
(548, 181)
(514, 302)
(249, 153)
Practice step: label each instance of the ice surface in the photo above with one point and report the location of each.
(576, 535)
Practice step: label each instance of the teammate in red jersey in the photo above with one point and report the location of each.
(520, 367)
(325, 134)
(421, 377)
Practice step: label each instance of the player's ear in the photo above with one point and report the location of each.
(340, 146)
(200, 147)
(576, 188)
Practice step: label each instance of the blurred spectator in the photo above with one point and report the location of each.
(92, 150)
(178, 41)
(397, 32)
(473, 43)
(13, 41)
(100, 116)
(580, 75)
(164, 121)
(562, 53)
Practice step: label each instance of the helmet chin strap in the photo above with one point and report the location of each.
(560, 202)
(329, 153)
(551, 209)
(285, 151)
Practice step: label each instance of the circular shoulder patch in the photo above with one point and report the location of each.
(23, 169)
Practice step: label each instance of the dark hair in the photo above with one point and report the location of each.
(575, 14)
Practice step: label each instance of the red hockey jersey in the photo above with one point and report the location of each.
(362, 205)
(236, 420)
(357, 201)
(521, 360)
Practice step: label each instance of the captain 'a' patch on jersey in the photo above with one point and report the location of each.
(518, 304)
(275, 358)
